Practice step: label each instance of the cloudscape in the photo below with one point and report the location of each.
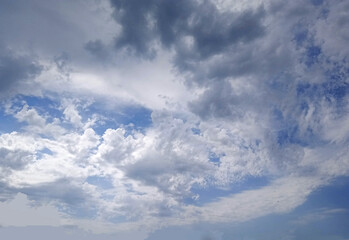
(174, 119)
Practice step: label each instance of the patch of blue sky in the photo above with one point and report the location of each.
(118, 219)
(216, 159)
(42, 152)
(79, 211)
(324, 12)
(9, 123)
(196, 131)
(130, 117)
(334, 195)
(334, 89)
(317, 2)
(291, 135)
(100, 181)
(287, 130)
(212, 193)
(323, 216)
(312, 55)
(307, 89)
(300, 35)
(43, 105)
(278, 115)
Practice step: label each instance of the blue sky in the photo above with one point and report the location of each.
(188, 119)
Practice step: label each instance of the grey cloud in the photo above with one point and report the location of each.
(66, 194)
(14, 69)
(136, 33)
(172, 165)
(170, 173)
(146, 22)
(214, 32)
(48, 28)
(218, 101)
(268, 84)
(62, 62)
(63, 190)
(15, 159)
(98, 49)
(273, 65)
(6, 192)
(32, 24)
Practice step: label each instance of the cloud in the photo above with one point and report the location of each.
(209, 30)
(281, 196)
(319, 215)
(98, 49)
(37, 124)
(336, 20)
(214, 94)
(15, 159)
(18, 212)
(16, 70)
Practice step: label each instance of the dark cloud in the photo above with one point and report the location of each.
(146, 23)
(15, 68)
(98, 49)
(217, 101)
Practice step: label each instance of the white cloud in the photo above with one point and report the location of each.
(30, 116)
(72, 115)
(37, 124)
(281, 196)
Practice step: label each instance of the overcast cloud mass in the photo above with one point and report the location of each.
(186, 119)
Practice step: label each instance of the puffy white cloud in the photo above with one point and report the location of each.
(72, 115)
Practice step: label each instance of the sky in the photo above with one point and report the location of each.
(186, 119)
